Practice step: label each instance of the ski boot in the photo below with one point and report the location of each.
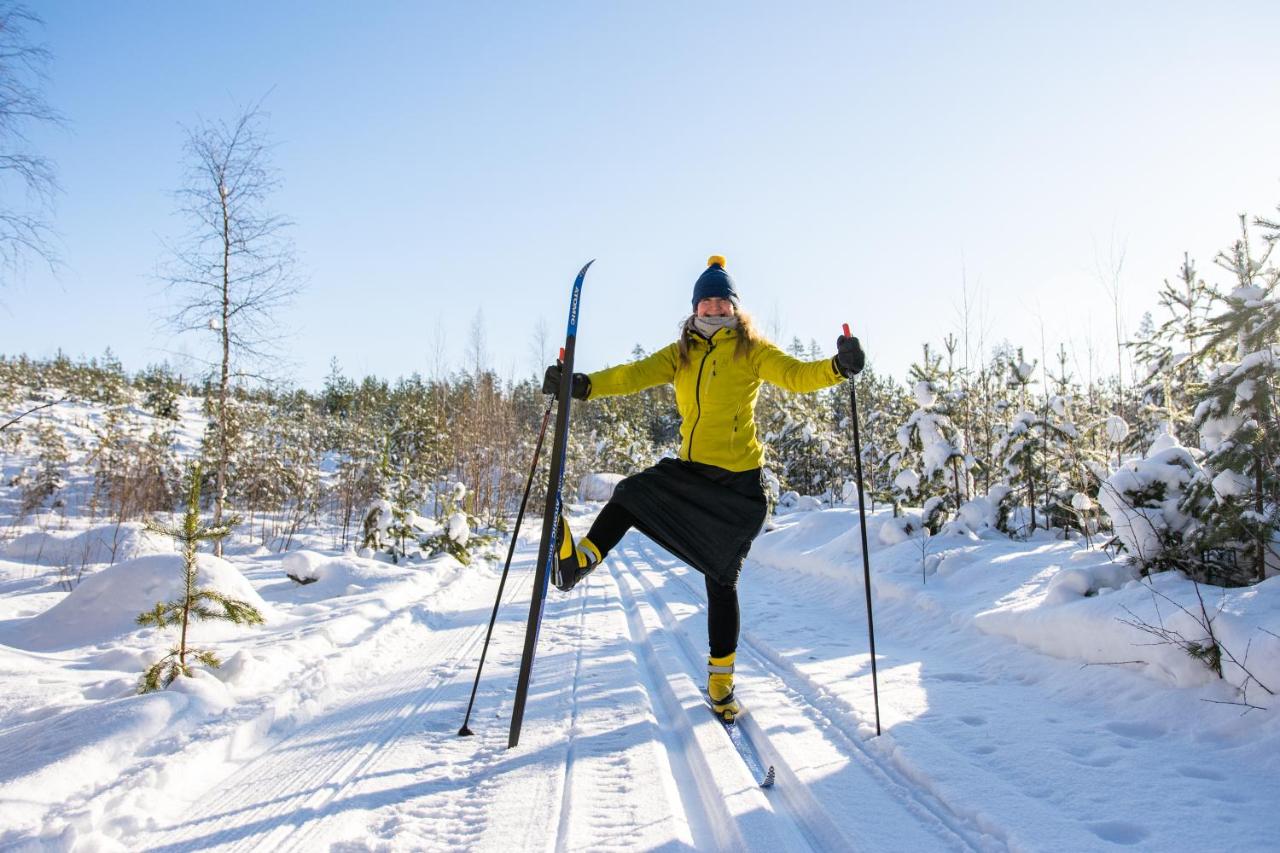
(574, 560)
(720, 687)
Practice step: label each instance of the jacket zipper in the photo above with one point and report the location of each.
(697, 400)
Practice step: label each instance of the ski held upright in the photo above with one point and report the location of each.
(551, 513)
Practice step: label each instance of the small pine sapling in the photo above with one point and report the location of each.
(457, 537)
(196, 602)
(49, 477)
(931, 455)
(391, 520)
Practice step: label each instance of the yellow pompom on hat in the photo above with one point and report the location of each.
(714, 282)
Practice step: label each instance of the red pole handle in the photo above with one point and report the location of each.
(847, 333)
(562, 350)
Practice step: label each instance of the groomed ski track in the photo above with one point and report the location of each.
(618, 752)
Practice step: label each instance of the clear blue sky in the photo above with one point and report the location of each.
(448, 162)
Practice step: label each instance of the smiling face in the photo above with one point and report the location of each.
(715, 306)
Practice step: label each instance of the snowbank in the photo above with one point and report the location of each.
(333, 577)
(598, 487)
(981, 514)
(106, 605)
(795, 502)
(103, 544)
(1056, 597)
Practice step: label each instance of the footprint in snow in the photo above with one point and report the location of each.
(1119, 832)
(1141, 731)
(959, 677)
(1202, 773)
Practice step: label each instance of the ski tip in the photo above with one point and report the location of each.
(465, 732)
(769, 778)
(585, 267)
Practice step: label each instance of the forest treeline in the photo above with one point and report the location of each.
(955, 447)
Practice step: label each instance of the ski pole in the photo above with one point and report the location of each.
(862, 517)
(537, 450)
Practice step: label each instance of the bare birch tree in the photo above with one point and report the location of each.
(1108, 273)
(24, 225)
(235, 268)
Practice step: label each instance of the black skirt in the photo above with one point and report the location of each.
(705, 515)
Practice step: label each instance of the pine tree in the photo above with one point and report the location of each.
(50, 474)
(1071, 482)
(800, 432)
(390, 523)
(882, 404)
(1237, 498)
(1172, 354)
(930, 462)
(1023, 450)
(197, 602)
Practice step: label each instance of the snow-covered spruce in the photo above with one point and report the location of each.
(1236, 498)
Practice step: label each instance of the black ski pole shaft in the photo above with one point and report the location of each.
(528, 486)
(862, 518)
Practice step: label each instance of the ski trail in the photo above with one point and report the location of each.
(589, 774)
(566, 800)
(807, 822)
(620, 788)
(289, 787)
(809, 818)
(736, 811)
(816, 748)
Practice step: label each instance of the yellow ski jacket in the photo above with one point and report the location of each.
(716, 392)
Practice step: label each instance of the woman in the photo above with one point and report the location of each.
(706, 506)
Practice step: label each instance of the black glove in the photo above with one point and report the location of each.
(551, 383)
(849, 358)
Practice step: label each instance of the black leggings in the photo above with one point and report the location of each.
(722, 601)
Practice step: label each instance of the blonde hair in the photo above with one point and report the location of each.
(748, 336)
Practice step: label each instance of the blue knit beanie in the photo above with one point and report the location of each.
(714, 281)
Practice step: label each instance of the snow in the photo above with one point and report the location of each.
(1141, 520)
(907, 480)
(1117, 429)
(101, 544)
(925, 393)
(894, 531)
(935, 449)
(1215, 430)
(1082, 502)
(598, 486)
(457, 528)
(105, 605)
(994, 737)
(792, 501)
(1248, 293)
(1021, 700)
(1229, 484)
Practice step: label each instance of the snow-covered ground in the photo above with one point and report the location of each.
(1022, 706)
(336, 723)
